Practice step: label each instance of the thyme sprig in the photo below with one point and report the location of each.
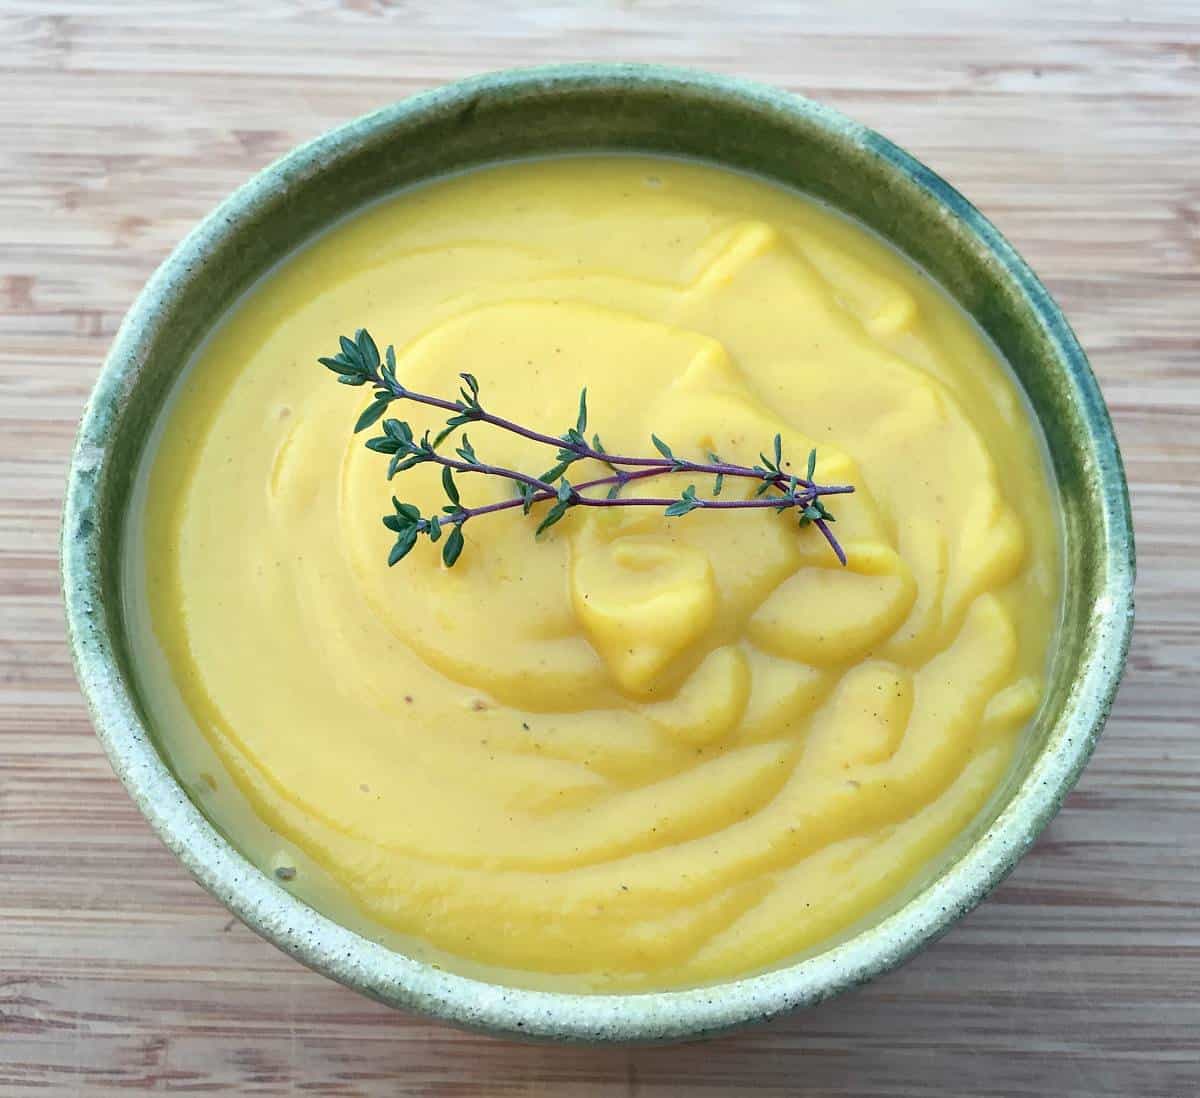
(358, 363)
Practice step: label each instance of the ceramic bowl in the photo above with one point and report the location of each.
(608, 107)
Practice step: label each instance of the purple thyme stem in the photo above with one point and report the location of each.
(678, 465)
(649, 467)
(834, 544)
(541, 497)
(810, 493)
(620, 478)
(801, 499)
(494, 470)
(548, 491)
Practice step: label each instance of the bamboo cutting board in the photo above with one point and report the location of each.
(1075, 126)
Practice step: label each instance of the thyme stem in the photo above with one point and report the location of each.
(359, 363)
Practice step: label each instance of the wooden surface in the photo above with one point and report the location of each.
(1075, 126)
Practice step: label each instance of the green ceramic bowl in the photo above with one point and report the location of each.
(593, 107)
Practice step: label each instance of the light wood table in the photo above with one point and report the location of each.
(1075, 126)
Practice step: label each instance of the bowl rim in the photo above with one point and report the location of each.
(405, 982)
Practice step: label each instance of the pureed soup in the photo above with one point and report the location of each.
(636, 752)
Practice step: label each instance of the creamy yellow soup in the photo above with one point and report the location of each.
(636, 752)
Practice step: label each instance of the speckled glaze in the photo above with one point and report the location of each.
(592, 107)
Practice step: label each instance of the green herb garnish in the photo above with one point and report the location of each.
(358, 363)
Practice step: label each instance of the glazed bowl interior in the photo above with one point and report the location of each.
(593, 108)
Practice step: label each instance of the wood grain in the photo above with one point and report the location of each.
(1076, 126)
